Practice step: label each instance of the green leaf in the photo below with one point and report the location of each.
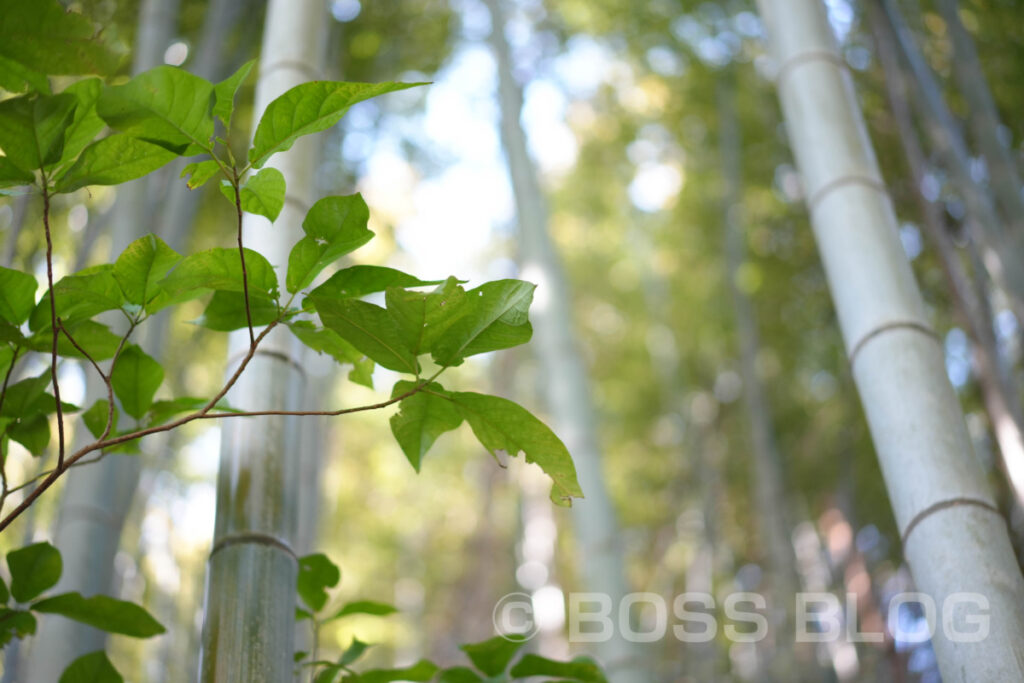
(34, 568)
(225, 91)
(6, 357)
(262, 194)
(91, 668)
(581, 669)
(15, 623)
(32, 432)
(17, 77)
(17, 295)
(86, 124)
(353, 652)
(95, 338)
(425, 317)
(226, 312)
(495, 318)
(199, 172)
(27, 396)
(11, 335)
(43, 36)
(422, 670)
(32, 128)
(334, 227)
(5, 594)
(502, 425)
(221, 268)
(316, 574)
(357, 281)
(141, 266)
(362, 372)
(166, 106)
(309, 108)
(135, 378)
(323, 340)
(104, 613)
(370, 329)
(96, 418)
(459, 674)
(79, 296)
(376, 609)
(422, 418)
(492, 656)
(12, 176)
(328, 674)
(113, 160)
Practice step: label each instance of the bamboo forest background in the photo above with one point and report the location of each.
(630, 158)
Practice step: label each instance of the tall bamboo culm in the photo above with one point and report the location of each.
(565, 384)
(954, 538)
(250, 602)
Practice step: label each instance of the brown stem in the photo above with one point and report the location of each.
(3, 456)
(241, 256)
(100, 444)
(201, 414)
(55, 333)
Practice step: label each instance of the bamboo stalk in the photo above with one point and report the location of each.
(984, 118)
(248, 634)
(564, 375)
(954, 538)
(998, 391)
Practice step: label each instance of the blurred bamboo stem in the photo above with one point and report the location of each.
(954, 539)
(565, 384)
(96, 499)
(769, 488)
(984, 119)
(998, 392)
(1002, 249)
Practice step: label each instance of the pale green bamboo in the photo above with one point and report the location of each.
(564, 375)
(769, 481)
(250, 603)
(984, 119)
(954, 538)
(97, 498)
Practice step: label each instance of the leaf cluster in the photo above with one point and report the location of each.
(35, 569)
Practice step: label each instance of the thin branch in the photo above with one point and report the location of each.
(3, 456)
(7, 376)
(318, 413)
(107, 381)
(85, 354)
(55, 333)
(101, 444)
(79, 463)
(202, 414)
(241, 256)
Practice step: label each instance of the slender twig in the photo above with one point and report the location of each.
(55, 333)
(3, 456)
(105, 377)
(241, 256)
(314, 651)
(7, 376)
(42, 473)
(108, 380)
(78, 347)
(316, 413)
(202, 414)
